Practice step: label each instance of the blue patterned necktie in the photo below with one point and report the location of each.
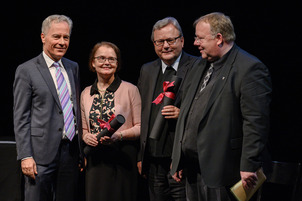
(65, 103)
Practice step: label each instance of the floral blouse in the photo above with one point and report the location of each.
(102, 107)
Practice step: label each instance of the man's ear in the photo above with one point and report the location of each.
(219, 40)
(43, 38)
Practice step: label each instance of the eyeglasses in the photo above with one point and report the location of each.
(200, 39)
(170, 41)
(102, 59)
(197, 39)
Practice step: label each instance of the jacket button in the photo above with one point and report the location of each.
(60, 112)
(60, 129)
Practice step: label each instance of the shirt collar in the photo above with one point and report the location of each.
(174, 65)
(112, 88)
(220, 62)
(49, 61)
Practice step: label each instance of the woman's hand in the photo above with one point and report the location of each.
(90, 139)
(106, 140)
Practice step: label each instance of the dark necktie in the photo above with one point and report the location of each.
(168, 73)
(207, 78)
(65, 103)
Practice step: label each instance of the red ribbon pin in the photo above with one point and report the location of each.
(104, 124)
(166, 86)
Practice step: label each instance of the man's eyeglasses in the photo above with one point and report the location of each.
(201, 39)
(170, 41)
(102, 59)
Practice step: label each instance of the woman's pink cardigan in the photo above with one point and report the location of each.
(127, 102)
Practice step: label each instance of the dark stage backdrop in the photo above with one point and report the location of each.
(270, 31)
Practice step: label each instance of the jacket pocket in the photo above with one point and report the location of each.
(38, 132)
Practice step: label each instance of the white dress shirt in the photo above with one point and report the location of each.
(174, 65)
(52, 71)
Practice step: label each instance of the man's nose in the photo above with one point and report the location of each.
(166, 44)
(61, 41)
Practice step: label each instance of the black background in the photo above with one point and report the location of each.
(268, 30)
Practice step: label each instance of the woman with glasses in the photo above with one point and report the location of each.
(111, 168)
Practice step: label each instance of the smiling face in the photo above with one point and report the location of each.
(168, 53)
(105, 61)
(207, 44)
(56, 40)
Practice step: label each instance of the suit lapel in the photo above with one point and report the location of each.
(197, 72)
(149, 88)
(154, 71)
(42, 67)
(193, 79)
(184, 61)
(221, 80)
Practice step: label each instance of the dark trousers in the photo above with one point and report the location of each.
(58, 180)
(162, 187)
(197, 190)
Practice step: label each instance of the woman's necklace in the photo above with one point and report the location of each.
(102, 91)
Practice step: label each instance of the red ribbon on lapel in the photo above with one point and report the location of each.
(104, 124)
(166, 86)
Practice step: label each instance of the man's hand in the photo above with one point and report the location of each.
(29, 167)
(249, 179)
(139, 168)
(177, 176)
(170, 112)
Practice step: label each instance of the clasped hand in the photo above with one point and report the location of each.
(91, 139)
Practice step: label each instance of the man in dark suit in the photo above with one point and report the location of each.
(155, 155)
(223, 123)
(47, 120)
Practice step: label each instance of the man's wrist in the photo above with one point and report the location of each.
(26, 158)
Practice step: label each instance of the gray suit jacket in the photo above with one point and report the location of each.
(38, 116)
(146, 85)
(234, 126)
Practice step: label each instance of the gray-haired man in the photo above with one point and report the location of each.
(47, 116)
(155, 155)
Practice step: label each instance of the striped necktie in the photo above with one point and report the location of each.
(207, 77)
(65, 103)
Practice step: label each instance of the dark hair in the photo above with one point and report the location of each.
(108, 44)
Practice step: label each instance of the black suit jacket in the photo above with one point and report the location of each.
(146, 85)
(234, 126)
(38, 116)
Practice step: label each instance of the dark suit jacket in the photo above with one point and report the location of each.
(233, 129)
(38, 116)
(146, 85)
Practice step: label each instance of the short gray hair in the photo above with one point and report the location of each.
(55, 18)
(164, 22)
